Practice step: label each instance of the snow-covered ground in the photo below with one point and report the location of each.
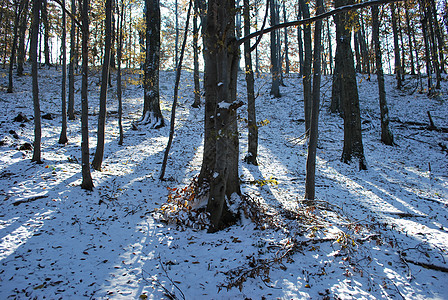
(380, 233)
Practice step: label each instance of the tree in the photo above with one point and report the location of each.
(87, 183)
(220, 156)
(151, 108)
(34, 67)
(275, 53)
(46, 24)
(121, 15)
(398, 69)
(197, 87)
(18, 10)
(345, 72)
(22, 30)
(250, 83)
(313, 136)
(99, 152)
(71, 66)
(307, 62)
(63, 137)
(386, 135)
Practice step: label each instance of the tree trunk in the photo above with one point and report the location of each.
(197, 87)
(34, 67)
(330, 47)
(306, 75)
(310, 180)
(87, 183)
(99, 152)
(119, 55)
(435, 58)
(300, 41)
(63, 137)
(275, 59)
(424, 22)
(408, 32)
(353, 146)
(18, 10)
(151, 109)
(252, 151)
(439, 36)
(220, 160)
(71, 66)
(46, 24)
(386, 135)
(22, 34)
(398, 69)
(286, 40)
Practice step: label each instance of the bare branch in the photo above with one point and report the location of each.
(314, 19)
(69, 13)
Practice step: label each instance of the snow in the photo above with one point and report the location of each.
(362, 241)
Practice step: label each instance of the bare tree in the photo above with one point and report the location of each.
(63, 137)
(99, 152)
(71, 66)
(34, 67)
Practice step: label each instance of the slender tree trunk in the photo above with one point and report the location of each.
(386, 135)
(398, 69)
(300, 41)
(275, 60)
(330, 47)
(353, 146)
(63, 137)
(252, 151)
(34, 67)
(307, 98)
(438, 35)
(119, 55)
(408, 32)
(99, 152)
(435, 58)
(176, 95)
(18, 9)
(46, 24)
(310, 180)
(286, 40)
(197, 87)
(87, 183)
(176, 45)
(22, 34)
(424, 22)
(357, 51)
(151, 109)
(71, 66)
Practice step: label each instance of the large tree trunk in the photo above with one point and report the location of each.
(87, 183)
(151, 109)
(306, 75)
(252, 151)
(71, 66)
(386, 135)
(63, 137)
(220, 161)
(310, 179)
(99, 152)
(353, 146)
(22, 30)
(34, 67)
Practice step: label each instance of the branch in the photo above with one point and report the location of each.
(314, 19)
(68, 13)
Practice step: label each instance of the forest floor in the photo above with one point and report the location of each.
(379, 233)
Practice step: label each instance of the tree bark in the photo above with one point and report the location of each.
(99, 152)
(310, 180)
(398, 69)
(119, 55)
(220, 161)
(71, 66)
(252, 151)
(306, 75)
(46, 24)
(63, 137)
(151, 109)
(275, 59)
(353, 146)
(22, 30)
(18, 10)
(408, 32)
(197, 87)
(87, 183)
(386, 135)
(34, 67)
